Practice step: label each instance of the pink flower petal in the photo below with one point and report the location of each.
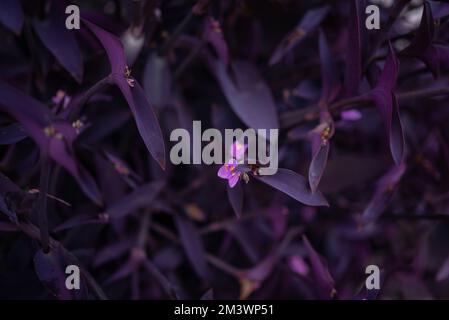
(351, 115)
(234, 179)
(224, 172)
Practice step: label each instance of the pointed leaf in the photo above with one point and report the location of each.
(317, 166)
(143, 113)
(294, 185)
(386, 103)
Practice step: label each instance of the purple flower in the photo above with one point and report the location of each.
(61, 97)
(230, 172)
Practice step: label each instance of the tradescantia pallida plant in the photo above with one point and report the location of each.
(86, 180)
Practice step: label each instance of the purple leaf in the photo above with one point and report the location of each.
(311, 20)
(60, 41)
(193, 246)
(143, 113)
(249, 97)
(320, 269)
(11, 15)
(397, 140)
(317, 166)
(295, 186)
(47, 269)
(435, 56)
(235, 196)
(50, 270)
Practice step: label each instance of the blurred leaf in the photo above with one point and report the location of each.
(208, 295)
(8, 227)
(309, 22)
(329, 73)
(321, 270)
(353, 72)
(157, 80)
(213, 34)
(443, 271)
(249, 97)
(139, 198)
(12, 134)
(235, 196)
(60, 41)
(383, 194)
(435, 56)
(77, 221)
(11, 15)
(193, 246)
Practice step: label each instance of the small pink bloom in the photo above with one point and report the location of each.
(230, 172)
(61, 97)
(351, 115)
(298, 265)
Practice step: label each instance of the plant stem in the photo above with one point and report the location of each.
(193, 13)
(188, 59)
(41, 205)
(290, 119)
(81, 101)
(217, 262)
